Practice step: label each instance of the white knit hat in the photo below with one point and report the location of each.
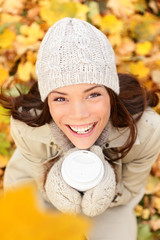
(73, 52)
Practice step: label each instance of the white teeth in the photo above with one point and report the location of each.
(82, 130)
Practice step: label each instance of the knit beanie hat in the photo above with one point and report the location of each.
(73, 52)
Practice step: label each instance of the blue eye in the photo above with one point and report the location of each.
(59, 99)
(93, 95)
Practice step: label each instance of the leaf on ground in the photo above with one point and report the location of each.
(144, 27)
(4, 74)
(121, 8)
(4, 118)
(144, 232)
(26, 71)
(10, 18)
(3, 161)
(151, 184)
(155, 74)
(143, 48)
(155, 224)
(13, 7)
(109, 24)
(139, 69)
(52, 11)
(7, 38)
(4, 144)
(127, 46)
(30, 34)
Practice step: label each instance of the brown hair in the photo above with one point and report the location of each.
(126, 108)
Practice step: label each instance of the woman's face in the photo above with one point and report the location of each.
(81, 111)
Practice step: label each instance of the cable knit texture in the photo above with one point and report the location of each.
(73, 52)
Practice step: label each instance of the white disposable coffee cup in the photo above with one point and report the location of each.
(82, 170)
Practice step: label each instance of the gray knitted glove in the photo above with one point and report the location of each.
(60, 194)
(97, 199)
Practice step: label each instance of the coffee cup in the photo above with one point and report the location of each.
(82, 170)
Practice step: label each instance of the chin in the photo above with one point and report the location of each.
(83, 146)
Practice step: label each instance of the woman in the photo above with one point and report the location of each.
(81, 102)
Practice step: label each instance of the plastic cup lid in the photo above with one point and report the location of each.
(82, 170)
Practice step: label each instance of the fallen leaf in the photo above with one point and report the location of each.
(121, 8)
(127, 46)
(3, 161)
(143, 48)
(13, 7)
(4, 74)
(139, 69)
(30, 34)
(26, 71)
(7, 38)
(155, 74)
(110, 24)
(155, 224)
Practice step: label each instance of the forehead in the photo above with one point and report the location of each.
(78, 87)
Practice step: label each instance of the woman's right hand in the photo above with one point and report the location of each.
(59, 193)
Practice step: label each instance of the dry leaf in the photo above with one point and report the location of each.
(139, 69)
(7, 38)
(143, 48)
(4, 74)
(127, 46)
(30, 34)
(3, 161)
(155, 224)
(122, 8)
(155, 74)
(13, 7)
(110, 24)
(26, 71)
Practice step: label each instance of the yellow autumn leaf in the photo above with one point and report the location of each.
(7, 18)
(110, 24)
(115, 39)
(156, 203)
(13, 7)
(3, 161)
(144, 27)
(151, 184)
(139, 69)
(52, 11)
(4, 118)
(7, 38)
(127, 46)
(138, 210)
(26, 70)
(3, 74)
(122, 8)
(145, 213)
(30, 34)
(22, 218)
(143, 48)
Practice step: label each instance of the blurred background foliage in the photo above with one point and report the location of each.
(132, 27)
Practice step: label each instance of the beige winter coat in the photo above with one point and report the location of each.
(37, 145)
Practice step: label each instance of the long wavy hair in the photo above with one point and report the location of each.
(126, 108)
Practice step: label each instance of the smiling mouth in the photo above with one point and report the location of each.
(82, 130)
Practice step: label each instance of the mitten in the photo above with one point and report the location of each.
(60, 194)
(97, 199)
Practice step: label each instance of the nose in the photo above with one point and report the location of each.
(79, 110)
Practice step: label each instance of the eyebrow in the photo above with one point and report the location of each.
(85, 91)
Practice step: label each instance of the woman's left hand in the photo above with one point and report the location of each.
(97, 199)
